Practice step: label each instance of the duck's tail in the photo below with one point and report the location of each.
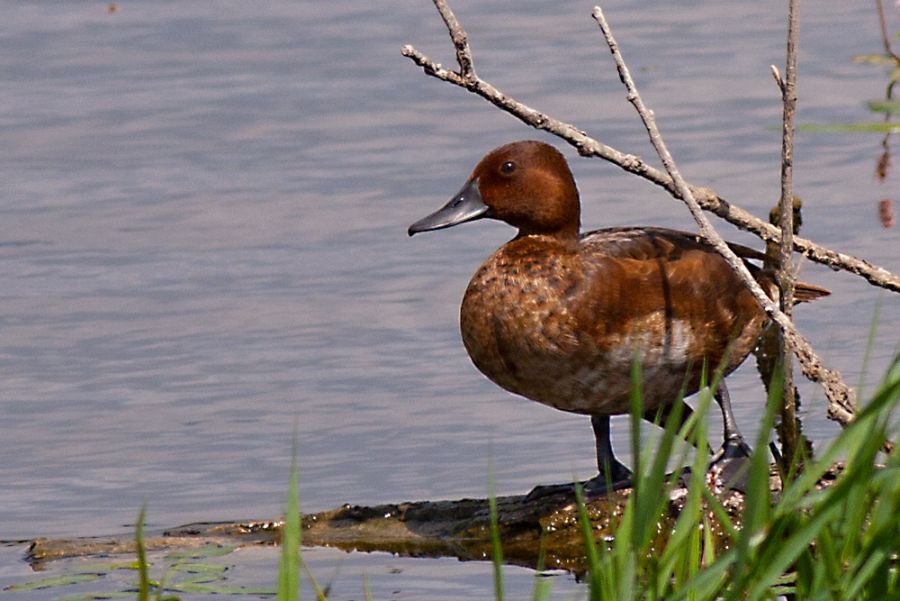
(803, 292)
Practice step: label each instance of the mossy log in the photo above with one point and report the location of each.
(459, 528)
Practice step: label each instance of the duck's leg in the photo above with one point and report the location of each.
(733, 445)
(612, 474)
(729, 462)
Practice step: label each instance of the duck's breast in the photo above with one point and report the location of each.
(522, 327)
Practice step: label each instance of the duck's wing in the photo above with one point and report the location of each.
(650, 243)
(671, 271)
(671, 247)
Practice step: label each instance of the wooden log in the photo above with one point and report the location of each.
(458, 528)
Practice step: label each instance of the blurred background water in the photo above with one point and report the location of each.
(203, 247)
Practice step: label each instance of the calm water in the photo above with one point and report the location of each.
(202, 240)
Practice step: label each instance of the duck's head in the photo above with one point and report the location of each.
(527, 184)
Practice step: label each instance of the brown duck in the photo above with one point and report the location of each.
(558, 316)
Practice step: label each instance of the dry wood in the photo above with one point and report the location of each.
(790, 431)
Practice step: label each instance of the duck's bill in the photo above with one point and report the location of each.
(465, 206)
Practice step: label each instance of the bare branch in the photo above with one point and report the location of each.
(790, 432)
(590, 147)
(885, 38)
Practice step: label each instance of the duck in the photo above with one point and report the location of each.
(559, 316)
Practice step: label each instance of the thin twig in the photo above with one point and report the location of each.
(842, 399)
(590, 147)
(885, 38)
(790, 433)
(777, 75)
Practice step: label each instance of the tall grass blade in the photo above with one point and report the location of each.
(870, 344)
(651, 491)
(496, 547)
(143, 576)
(757, 500)
(682, 551)
(321, 592)
(594, 574)
(289, 567)
(636, 409)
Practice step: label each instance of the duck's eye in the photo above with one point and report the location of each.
(507, 168)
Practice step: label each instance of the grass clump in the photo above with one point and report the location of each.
(813, 542)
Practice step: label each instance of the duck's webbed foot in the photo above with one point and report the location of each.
(616, 478)
(731, 463)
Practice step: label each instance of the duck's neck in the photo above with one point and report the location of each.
(567, 233)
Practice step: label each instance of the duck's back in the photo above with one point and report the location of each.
(560, 322)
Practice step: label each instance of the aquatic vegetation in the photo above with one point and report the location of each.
(813, 542)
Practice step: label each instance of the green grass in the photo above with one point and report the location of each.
(496, 546)
(838, 543)
(289, 566)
